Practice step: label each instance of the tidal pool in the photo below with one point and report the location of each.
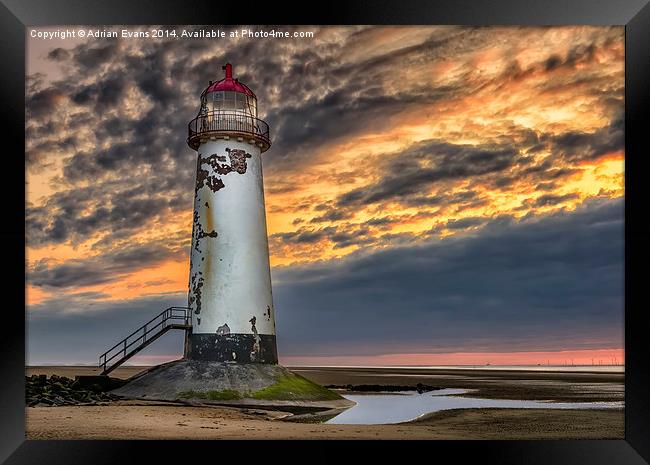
(373, 409)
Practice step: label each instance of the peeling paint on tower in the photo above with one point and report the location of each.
(256, 344)
(212, 181)
(198, 233)
(196, 283)
(223, 330)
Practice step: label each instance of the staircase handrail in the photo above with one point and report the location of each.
(143, 331)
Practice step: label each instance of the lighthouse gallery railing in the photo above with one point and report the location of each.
(230, 122)
(170, 318)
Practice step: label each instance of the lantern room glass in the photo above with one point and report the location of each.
(229, 102)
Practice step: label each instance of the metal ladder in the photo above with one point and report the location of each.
(170, 318)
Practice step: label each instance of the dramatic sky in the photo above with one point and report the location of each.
(433, 194)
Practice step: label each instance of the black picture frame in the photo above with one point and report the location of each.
(16, 15)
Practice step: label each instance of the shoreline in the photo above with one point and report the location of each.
(125, 419)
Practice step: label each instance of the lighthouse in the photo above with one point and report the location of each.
(229, 297)
(230, 352)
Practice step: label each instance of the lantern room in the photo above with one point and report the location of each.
(229, 95)
(228, 109)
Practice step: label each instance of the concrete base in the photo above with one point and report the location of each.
(225, 383)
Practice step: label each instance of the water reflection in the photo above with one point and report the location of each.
(404, 406)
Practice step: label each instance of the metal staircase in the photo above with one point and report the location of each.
(170, 318)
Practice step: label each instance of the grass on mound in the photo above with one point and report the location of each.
(295, 387)
(226, 394)
(287, 387)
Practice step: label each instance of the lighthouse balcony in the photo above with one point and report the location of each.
(228, 124)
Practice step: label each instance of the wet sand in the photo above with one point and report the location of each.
(124, 421)
(152, 420)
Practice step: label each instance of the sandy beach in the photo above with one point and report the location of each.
(156, 420)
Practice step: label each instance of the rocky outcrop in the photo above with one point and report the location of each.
(59, 390)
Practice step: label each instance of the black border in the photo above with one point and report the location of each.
(15, 15)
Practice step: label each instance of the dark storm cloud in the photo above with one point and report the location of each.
(342, 235)
(460, 199)
(465, 223)
(113, 127)
(43, 103)
(105, 94)
(97, 270)
(577, 55)
(146, 72)
(568, 148)
(303, 235)
(42, 152)
(547, 170)
(123, 145)
(550, 199)
(380, 222)
(59, 54)
(79, 214)
(422, 165)
(131, 145)
(90, 56)
(335, 117)
(119, 200)
(580, 146)
(331, 214)
(541, 283)
(359, 236)
(82, 166)
(545, 186)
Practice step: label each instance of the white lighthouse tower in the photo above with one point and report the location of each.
(230, 347)
(230, 299)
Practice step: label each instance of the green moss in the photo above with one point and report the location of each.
(226, 394)
(295, 387)
(287, 387)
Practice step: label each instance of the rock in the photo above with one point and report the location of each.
(59, 390)
(104, 382)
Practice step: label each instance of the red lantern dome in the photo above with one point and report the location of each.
(228, 84)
